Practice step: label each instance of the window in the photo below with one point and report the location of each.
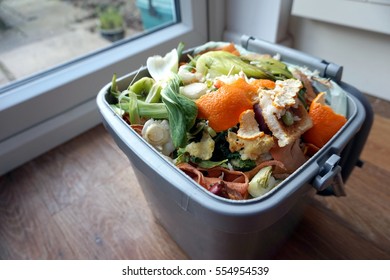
(46, 109)
(39, 36)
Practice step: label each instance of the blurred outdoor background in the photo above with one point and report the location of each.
(36, 35)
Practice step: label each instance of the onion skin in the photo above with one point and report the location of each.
(219, 188)
(260, 120)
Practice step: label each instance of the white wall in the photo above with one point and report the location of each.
(364, 54)
(263, 19)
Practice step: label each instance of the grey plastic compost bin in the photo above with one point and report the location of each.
(206, 226)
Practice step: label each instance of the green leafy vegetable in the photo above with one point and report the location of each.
(278, 69)
(181, 156)
(302, 97)
(129, 102)
(112, 98)
(133, 108)
(152, 110)
(142, 87)
(221, 150)
(184, 156)
(240, 164)
(218, 63)
(142, 108)
(209, 163)
(114, 87)
(154, 95)
(179, 49)
(182, 111)
(147, 110)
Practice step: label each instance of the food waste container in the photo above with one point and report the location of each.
(206, 226)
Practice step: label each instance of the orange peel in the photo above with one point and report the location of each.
(249, 128)
(326, 123)
(222, 108)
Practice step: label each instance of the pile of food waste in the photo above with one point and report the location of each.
(236, 122)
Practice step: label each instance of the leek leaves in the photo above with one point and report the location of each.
(182, 111)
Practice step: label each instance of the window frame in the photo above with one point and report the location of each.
(49, 108)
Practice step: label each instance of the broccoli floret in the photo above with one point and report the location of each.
(239, 164)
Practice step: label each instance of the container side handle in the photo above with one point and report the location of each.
(329, 180)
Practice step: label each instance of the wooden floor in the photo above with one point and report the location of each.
(81, 201)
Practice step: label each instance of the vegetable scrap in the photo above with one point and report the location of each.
(326, 122)
(223, 107)
(238, 123)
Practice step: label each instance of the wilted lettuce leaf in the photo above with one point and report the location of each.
(218, 63)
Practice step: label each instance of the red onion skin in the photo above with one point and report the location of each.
(260, 120)
(219, 189)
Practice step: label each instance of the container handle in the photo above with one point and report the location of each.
(329, 180)
(326, 69)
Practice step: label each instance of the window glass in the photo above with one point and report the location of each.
(42, 110)
(37, 35)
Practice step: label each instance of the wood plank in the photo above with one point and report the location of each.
(26, 228)
(117, 224)
(79, 201)
(321, 235)
(366, 209)
(376, 150)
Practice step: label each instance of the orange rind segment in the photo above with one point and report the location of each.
(326, 123)
(223, 107)
(249, 128)
(263, 83)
